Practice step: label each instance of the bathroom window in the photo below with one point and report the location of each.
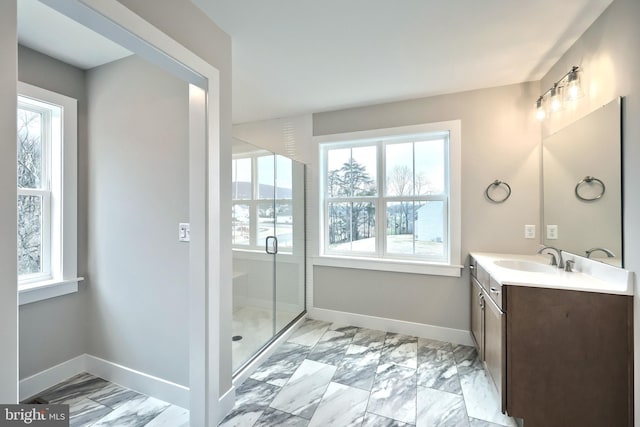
(47, 187)
(262, 205)
(392, 194)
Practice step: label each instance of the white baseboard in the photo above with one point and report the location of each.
(226, 403)
(455, 336)
(251, 367)
(139, 381)
(41, 381)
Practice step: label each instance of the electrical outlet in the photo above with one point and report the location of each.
(552, 232)
(529, 231)
(184, 232)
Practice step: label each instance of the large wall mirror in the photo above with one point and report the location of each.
(582, 176)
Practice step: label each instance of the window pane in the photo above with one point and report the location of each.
(336, 161)
(416, 228)
(284, 181)
(284, 226)
(339, 215)
(266, 177)
(399, 169)
(29, 234)
(352, 172)
(430, 167)
(352, 227)
(30, 155)
(241, 224)
(430, 229)
(241, 179)
(400, 225)
(362, 171)
(266, 218)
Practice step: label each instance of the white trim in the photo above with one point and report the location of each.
(210, 259)
(455, 336)
(61, 247)
(248, 370)
(43, 380)
(139, 381)
(387, 264)
(38, 291)
(228, 400)
(453, 182)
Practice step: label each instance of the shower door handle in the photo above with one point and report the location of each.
(274, 245)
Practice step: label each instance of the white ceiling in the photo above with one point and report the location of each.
(47, 31)
(294, 57)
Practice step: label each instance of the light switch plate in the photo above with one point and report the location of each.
(184, 232)
(552, 232)
(530, 231)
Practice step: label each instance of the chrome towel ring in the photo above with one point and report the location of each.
(497, 183)
(589, 180)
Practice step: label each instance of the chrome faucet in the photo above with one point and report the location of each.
(605, 250)
(560, 262)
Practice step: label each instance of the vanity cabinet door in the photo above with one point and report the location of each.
(569, 357)
(477, 316)
(493, 345)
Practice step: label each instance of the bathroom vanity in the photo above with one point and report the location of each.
(558, 345)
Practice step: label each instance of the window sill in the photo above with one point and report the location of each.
(398, 266)
(38, 291)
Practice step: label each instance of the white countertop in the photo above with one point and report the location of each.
(588, 275)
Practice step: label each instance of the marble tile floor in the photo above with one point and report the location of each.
(99, 403)
(338, 376)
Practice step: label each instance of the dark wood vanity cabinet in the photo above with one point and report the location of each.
(487, 324)
(569, 357)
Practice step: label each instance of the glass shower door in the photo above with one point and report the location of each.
(290, 266)
(268, 247)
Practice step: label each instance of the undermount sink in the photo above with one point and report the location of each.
(528, 266)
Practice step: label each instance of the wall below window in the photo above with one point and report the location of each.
(45, 343)
(500, 140)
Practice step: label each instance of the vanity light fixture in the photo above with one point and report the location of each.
(567, 89)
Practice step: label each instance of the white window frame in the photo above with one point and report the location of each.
(380, 260)
(60, 217)
(48, 140)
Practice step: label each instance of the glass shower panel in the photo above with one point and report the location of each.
(253, 220)
(290, 264)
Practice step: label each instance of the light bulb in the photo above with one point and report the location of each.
(574, 89)
(556, 104)
(540, 113)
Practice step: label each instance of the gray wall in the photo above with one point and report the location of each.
(64, 337)
(8, 220)
(138, 192)
(609, 52)
(500, 140)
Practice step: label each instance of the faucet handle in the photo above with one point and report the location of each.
(568, 265)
